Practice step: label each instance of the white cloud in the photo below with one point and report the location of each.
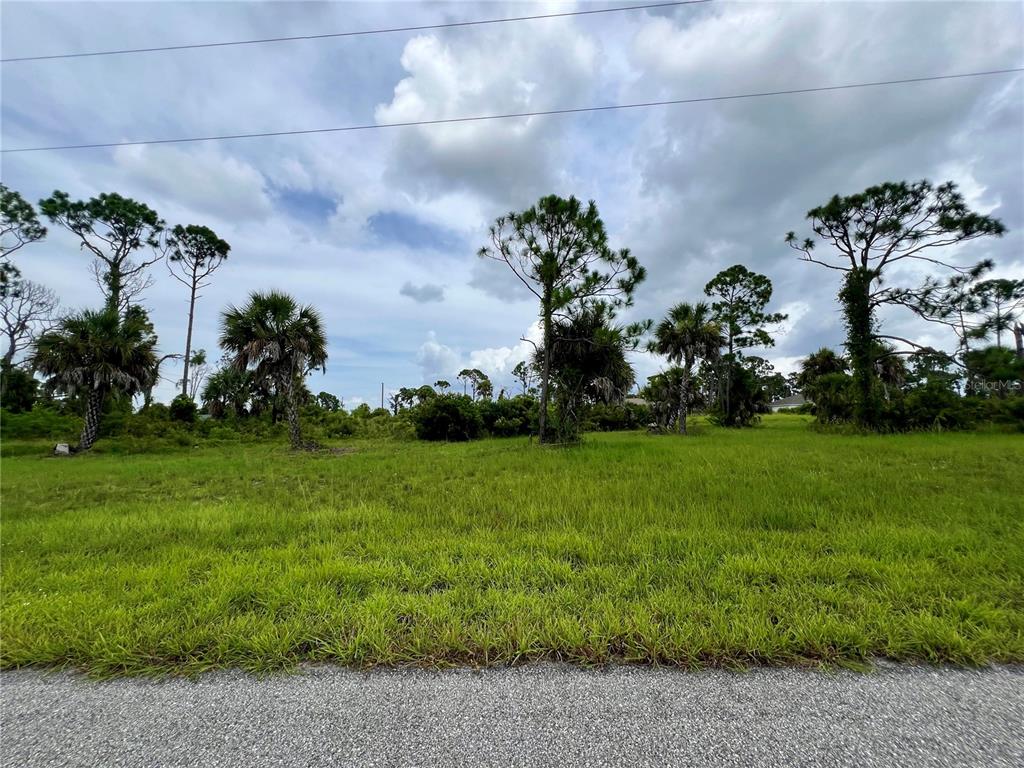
(202, 181)
(513, 160)
(690, 189)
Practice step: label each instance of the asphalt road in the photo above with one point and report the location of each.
(541, 715)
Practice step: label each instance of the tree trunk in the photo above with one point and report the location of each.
(856, 299)
(545, 373)
(728, 382)
(1018, 338)
(188, 340)
(292, 412)
(114, 288)
(12, 347)
(684, 396)
(93, 411)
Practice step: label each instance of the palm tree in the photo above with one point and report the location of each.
(889, 368)
(824, 362)
(589, 361)
(687, 334)
(280, 342)
(97, 354)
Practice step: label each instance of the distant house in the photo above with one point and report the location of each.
(793, 401)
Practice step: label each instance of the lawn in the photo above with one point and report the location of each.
(774, 545)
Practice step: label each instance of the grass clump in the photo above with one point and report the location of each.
(775, 545)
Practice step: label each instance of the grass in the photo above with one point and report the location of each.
(777, 545)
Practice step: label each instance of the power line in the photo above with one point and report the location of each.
(421, 28)
(509, 115)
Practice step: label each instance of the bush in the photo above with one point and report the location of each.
(614, 417)
(1001, 410)
(454, 418)
(933, 406)
(746, 401)
(833, 398)
(184, 409)
(39, 423)
(339, 424)
(508, 417)
(20, 389)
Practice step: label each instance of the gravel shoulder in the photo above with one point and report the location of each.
(528, 716)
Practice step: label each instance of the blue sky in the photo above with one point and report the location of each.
(379, 229)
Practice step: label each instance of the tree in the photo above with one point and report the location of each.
(997, 367)
(687, 334)
(197, 370)
(227, 390)
(442, 385)
(280, 342)
(1002, 302)
(871, 232)
(739, 301)
(18, 389)
(478, 381)
(774, 384)
(329, 402)
(559, 250)
(195, 253)
(19, 226)
(113, 229)
(749, 398)
(525, 375)
(824, 362)
(26, 310)
(98, 355)
(588, 365)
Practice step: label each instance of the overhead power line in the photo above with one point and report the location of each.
(509, 115)
(359, 33)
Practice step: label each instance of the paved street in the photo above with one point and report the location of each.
(540, 715)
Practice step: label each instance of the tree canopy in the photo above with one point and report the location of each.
(869, 232)
(19, 226)
(280, 342)
(558, 249)
(113, 229)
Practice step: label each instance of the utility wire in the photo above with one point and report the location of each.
(479, 118)
(359, 33)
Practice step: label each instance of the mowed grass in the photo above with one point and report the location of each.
(776, 545)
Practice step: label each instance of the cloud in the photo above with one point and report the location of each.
(340, 219)
(511, 160)
(423, 294)
(203, 181)
(436, 360)
(440, 361)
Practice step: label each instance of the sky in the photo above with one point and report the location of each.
(379, 229)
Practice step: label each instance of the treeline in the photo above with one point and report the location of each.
(95, 362)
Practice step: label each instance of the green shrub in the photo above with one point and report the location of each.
(932, 406)
(19, 387)
(1001, 410)
(39, 423)
(184, 409)
(454, 418)
(833, 398)
(508, 417)
(339, 424)
(613, 417)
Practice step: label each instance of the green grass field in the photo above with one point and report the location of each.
(775, 545)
